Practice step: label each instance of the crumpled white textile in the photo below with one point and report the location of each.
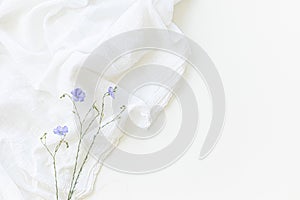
(43, 43)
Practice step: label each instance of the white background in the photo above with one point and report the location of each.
(255, 46)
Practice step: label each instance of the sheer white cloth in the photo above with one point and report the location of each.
(43, 43)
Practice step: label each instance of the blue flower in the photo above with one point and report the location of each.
(78, 95)
(61, 130)
(111, 92)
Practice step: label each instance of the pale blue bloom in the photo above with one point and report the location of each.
(61, 130)
(78, 95)
(111, 92)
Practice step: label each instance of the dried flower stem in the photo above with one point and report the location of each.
(78, 146)
(94, 139)
(79, 95)
(53, 156)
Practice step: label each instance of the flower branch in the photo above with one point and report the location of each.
(78, 96)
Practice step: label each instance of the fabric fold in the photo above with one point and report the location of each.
(43, 44)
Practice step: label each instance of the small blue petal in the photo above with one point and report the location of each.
(111, 92)
(60, 130)
(78, 95)
(65, 129)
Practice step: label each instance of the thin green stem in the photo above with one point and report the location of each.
(89, 111)
(79, 142)
(98, 114)
(94, 139)
(55, 176)
(53, 156)
(75, 167)
(73, 184)
(91, 122)
(75, 107)
(43, 141)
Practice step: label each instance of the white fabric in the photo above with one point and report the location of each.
(43, 43)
